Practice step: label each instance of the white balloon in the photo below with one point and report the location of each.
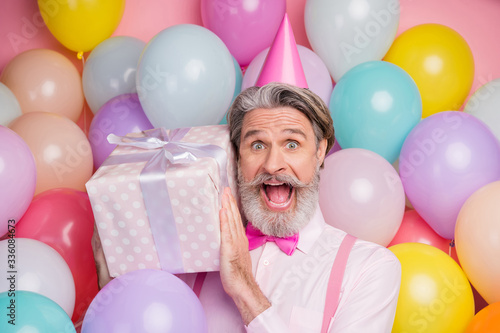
(346, 33)
(485, 105)
(9, 105)
(317, 76)
(34, 266)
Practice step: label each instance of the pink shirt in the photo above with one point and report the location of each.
(296, 287)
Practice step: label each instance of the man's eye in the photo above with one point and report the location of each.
(292, 145)
(257, 146)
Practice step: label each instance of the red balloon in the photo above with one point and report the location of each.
(63, 219)
(414, 229)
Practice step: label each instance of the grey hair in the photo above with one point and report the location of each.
(277, 95)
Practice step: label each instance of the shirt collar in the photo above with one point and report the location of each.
(311, 232)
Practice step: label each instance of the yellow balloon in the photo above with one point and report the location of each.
(81, 24)
(441, 63)
(435, 295)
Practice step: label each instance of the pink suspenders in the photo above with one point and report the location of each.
(335, 281)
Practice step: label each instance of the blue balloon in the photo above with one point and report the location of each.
(185, 77)
(26, 311)
(110, 70)
(237, 86)
(374, 106)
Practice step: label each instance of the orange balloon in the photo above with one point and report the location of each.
(62, 152)
(45, 80)
(486, 321)
(477, 239)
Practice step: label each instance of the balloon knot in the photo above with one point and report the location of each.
(79, 55)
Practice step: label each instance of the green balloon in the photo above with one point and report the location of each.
(27, 311)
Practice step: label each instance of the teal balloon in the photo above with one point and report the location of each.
(237, 86)
(185, 77)
(374, 106)
(32, 312)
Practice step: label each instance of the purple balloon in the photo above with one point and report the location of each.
(246, 27)
(444, 159)
(335, 148)
(121, 115)
(17, 178)
(145, 300)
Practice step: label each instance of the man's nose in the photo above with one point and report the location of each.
(275, 161)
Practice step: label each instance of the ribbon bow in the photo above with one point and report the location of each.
(256, 239)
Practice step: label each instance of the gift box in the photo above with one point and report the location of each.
(156, 199)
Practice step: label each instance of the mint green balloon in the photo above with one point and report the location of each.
(237, 87)
(374, 106)
(32, 312)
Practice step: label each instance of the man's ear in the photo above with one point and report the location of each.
(321, 153)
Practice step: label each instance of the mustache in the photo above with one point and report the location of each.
(265, 177)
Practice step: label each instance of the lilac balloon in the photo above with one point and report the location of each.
(317, 75)
(17, 178)
(336, 147)
(145, 300)
(121, 115)
(246, 27)
(444, 159)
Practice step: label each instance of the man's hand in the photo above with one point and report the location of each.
(100, 261)
(236, 264)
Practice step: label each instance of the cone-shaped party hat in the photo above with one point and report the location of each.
(283, 63)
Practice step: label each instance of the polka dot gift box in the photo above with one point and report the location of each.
(156, 199)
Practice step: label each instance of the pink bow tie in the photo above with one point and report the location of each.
(256, 239)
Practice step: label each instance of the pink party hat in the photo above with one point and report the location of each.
(282, 63)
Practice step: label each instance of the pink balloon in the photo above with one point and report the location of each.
(17, 178)
(317, 75)
(414, 229)
(469, 19)
(444, 159)
(246, 27)
(362, 194)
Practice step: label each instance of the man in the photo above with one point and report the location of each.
(282, 133)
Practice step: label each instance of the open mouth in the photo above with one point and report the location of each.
(278, 196)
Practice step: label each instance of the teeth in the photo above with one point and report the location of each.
(275, 184)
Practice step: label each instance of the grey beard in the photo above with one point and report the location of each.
(279, 224)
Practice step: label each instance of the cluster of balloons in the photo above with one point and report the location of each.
(379, 82)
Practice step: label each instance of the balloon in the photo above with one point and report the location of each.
(237, 87)
(145, 300)
(374, 106)
(110, 70)
(45, 80)
(477, 237)
(10, 106)
(81, 24)
(121, 115)
(361, 193)
(317, 75)
(32, 312)
(347, 33)
(484, 104)
(468, 19)
(414, 229)
(441, 63)
(246, 27)
(17, 178)
(336, 147)
(435, 295)
(185, 78)
(63, 219)
(61, 150)
(444, 159)
(486, 321)
(40, 269)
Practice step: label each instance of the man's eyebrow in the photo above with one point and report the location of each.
(286, 131)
